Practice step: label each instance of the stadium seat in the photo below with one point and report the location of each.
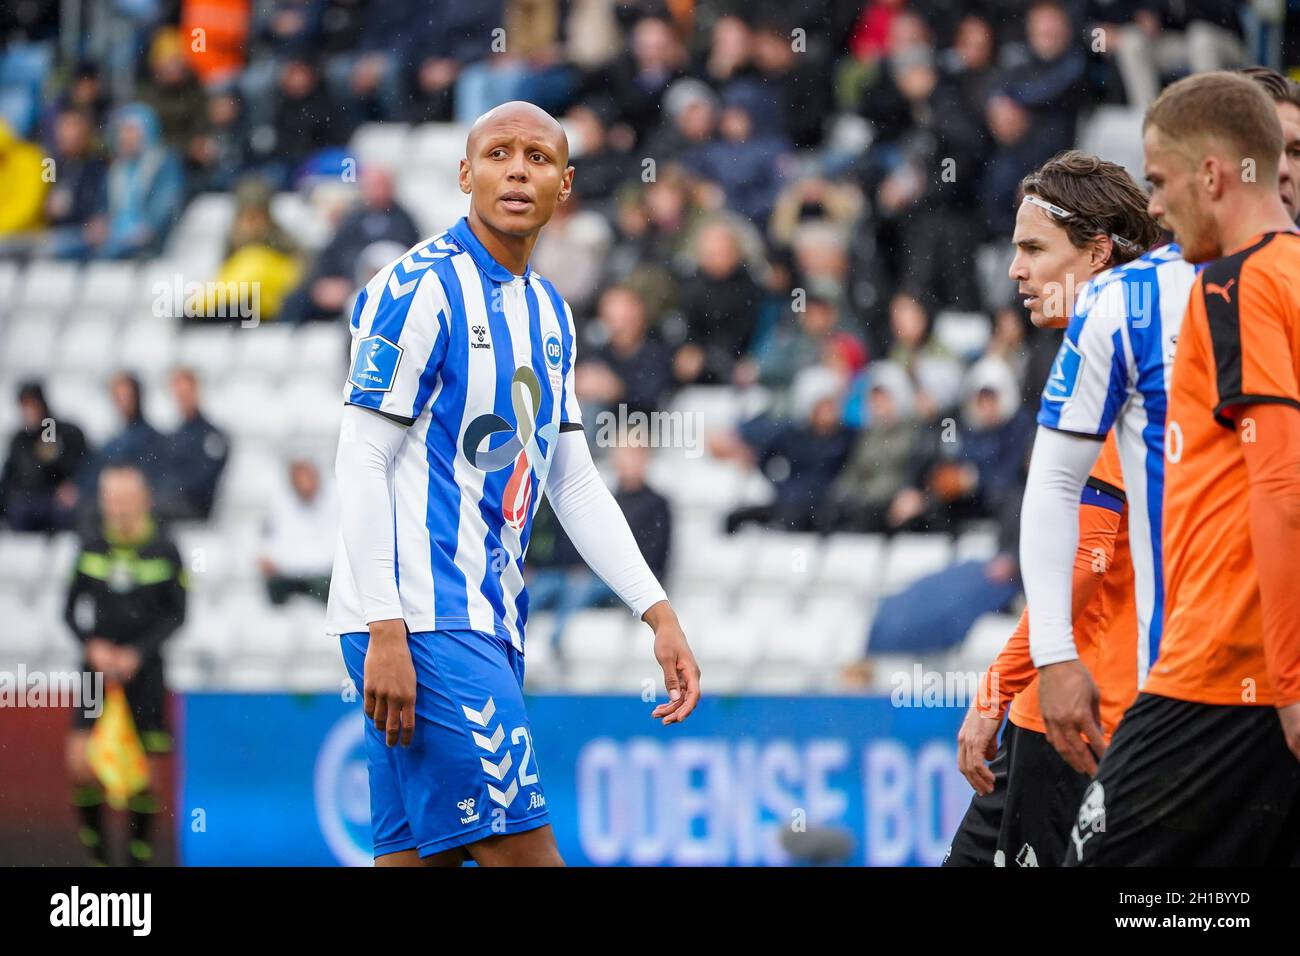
(208, 350)
(247, 481)
(85, 402)
(381, 143)
(29, 348)
(788, 561)
(977, 544)
(318, 675)
(49, 285)
(259, 631)
(913, 556)
(851, 564)
(266, 350)
(315, 409)
(88, 346)
(23, 560)
(715, 562)
(783, 677)
(437, 145)
(964, 334)
(985, 640)
(150, 347)
(293, 213)
(11, 278)
(206, 220)
(597, 635)
(320, 349)
(21, 637)
(109, 287)
(249, 677)
(1114, 133)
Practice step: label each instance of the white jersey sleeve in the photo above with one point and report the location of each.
(1090, 379)
(1049, 537)
(399, 339)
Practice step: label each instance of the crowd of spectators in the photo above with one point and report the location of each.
(779, 197)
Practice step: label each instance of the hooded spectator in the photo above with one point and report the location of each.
(879, 467)
(38, 490)
(146, 185)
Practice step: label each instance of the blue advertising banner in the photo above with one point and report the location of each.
(281, 780)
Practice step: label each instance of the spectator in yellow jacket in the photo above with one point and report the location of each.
(23, 172)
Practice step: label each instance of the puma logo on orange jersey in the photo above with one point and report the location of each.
(1212, 288)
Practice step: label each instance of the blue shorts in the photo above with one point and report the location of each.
(469, 772)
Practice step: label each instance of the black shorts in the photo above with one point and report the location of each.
(146, 695)
(1188, 784)
(1026, 820)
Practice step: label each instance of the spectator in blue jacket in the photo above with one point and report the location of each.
(146, 187)
(198, 455)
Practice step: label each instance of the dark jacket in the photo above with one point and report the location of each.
(198, 454)
(128, 593)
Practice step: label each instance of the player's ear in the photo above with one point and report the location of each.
(464, 177)
(1099, 256)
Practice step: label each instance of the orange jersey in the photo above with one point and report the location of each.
(1105, 629)
(1239, 345)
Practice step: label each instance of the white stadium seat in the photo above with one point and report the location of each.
(437, 145)
(49, 285)
(208, 350)
(913, 556)
(11, 277)
(23, 559)
(90, 347)
(380, 143)
(321, 349)
(29, 344)
(852, 564)
(109, 286)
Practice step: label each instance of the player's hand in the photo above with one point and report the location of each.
(977, 744)
(101, 655)
(1290, 717)
(1071, 708)
(389, 681)
(681, 673)
(128, 663)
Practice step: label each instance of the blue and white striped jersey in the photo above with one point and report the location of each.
(479, 364)
(1113, 370)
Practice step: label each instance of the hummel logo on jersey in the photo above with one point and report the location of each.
(1213, 288)
(466, 806)
(480, 332)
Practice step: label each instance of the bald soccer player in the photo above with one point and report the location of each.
(459, 412)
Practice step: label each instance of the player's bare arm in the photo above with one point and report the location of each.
(390, 682)
(681, 672)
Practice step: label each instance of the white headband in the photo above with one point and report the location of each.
(1060, 213)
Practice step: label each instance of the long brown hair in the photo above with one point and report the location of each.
(1102, 199)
